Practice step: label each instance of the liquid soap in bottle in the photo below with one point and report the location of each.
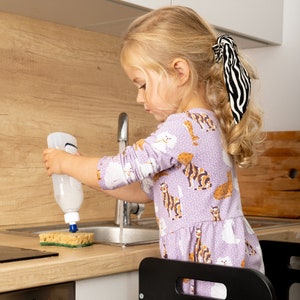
(67, 190)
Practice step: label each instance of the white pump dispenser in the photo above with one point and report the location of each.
(67, 190)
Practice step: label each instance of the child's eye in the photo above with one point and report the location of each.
(142, 86)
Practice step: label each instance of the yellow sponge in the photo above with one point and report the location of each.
(67, 239)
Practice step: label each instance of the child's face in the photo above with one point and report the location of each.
(158, 94)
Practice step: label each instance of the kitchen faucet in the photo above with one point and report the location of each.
(124, 209)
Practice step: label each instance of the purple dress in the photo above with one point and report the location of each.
(183, 167)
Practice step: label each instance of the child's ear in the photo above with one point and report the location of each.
(182, 70)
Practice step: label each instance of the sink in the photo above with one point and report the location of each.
(266, 222)
(140, 232)
(130, 236)
(284, 235)
(276, 229)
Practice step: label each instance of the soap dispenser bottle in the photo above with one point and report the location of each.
(67, 190)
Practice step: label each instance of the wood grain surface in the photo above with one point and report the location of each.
(272, 186)
(58, 78)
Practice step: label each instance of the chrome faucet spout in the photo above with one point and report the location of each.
(124, 209)
(123, 128)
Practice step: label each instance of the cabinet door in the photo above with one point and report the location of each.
(256, 23)
(151, 4)
(122, 286)
(256, 19)
(62, 291)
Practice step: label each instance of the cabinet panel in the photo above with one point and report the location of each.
(113, 287)
(152, 4)
(60, 291)
(259, 21)
(256, 19)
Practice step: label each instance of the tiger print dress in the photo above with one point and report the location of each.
(183, 167)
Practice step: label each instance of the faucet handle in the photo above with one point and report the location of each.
(137, 209)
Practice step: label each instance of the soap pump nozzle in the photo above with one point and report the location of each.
(72, 218)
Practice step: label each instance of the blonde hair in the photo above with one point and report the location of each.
(155, 39)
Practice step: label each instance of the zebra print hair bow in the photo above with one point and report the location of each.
(236, 77)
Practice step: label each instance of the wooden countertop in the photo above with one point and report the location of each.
(71, 264)
(81, 263)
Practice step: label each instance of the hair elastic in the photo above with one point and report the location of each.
(236, 77)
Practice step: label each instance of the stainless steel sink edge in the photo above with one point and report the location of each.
(142, 223)
(106, 232)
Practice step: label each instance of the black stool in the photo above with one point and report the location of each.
(277, 256)
(160, 279)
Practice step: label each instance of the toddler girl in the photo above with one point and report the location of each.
(198, 87)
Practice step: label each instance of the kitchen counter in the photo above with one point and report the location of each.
(82, 263)
(71, 264)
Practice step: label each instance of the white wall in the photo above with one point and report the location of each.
(278, 69)
(279, 86)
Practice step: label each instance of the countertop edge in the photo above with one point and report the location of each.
(70, 265)
(80, 263)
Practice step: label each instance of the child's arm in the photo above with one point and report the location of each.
(132, 193)
(84, 169)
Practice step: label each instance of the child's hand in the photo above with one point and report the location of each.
(53, 160)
